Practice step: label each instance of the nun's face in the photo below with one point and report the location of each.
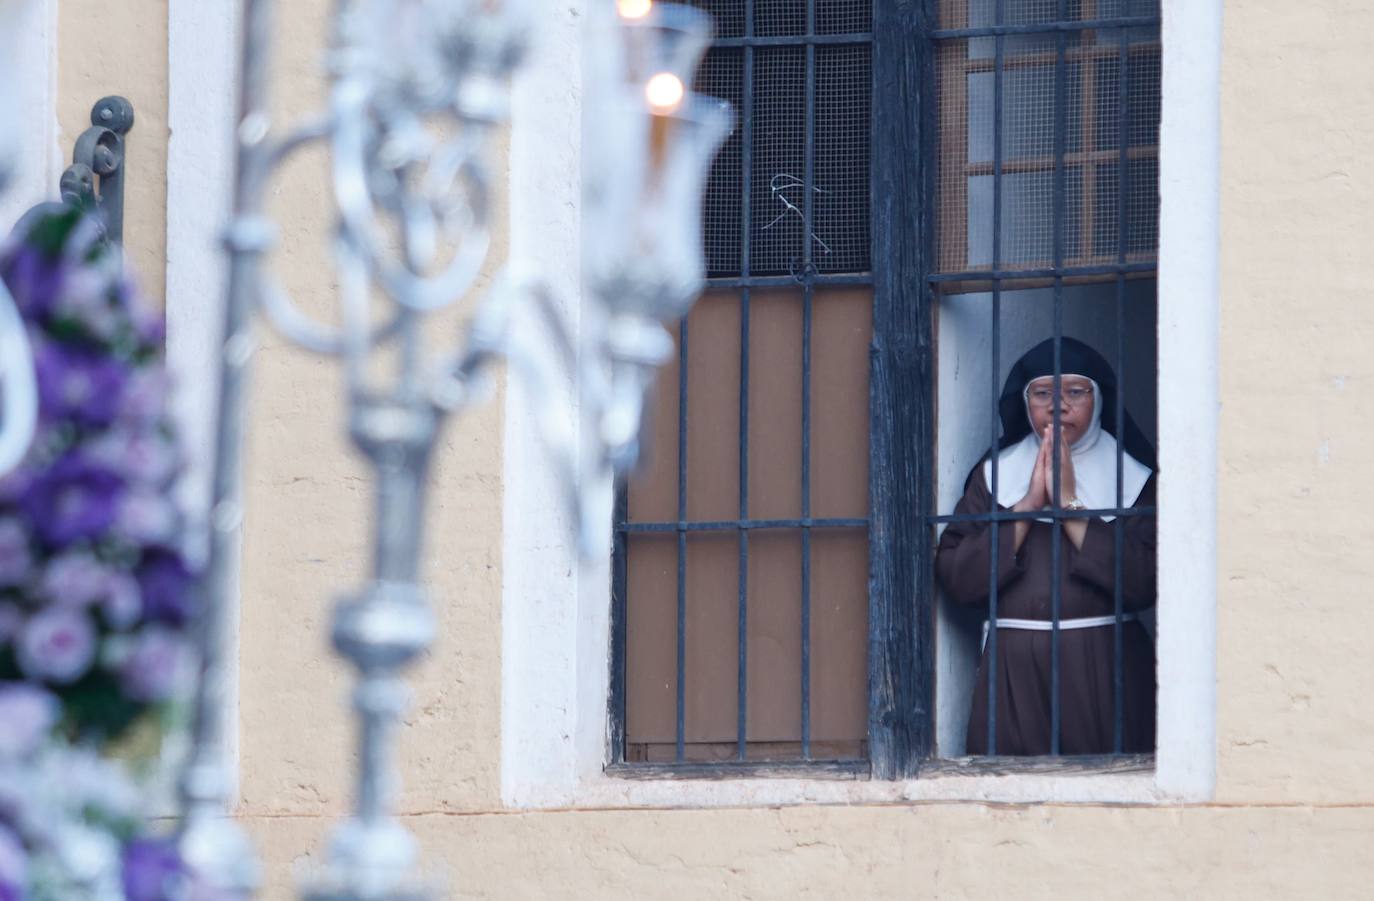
(1075, 405)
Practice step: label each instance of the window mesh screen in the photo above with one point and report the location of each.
(1087, 154)
(773, 18)
(721, 75)
(981, 13)
(794, 226)
(777, 188)
(843, 112)
(728, 15)
(843, 16)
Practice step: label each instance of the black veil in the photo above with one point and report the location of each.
(1076, 358)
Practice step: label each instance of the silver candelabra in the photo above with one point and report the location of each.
(418, 89)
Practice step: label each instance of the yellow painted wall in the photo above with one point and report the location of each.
(121, 48)
(307, 534)
(1294, 716)
(1295, 719)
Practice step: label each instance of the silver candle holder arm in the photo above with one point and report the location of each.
(18, 385)
(418, 89)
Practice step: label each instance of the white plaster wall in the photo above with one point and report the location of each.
(549, 684)
(202, 79)
(28, 96)
(1189, 252)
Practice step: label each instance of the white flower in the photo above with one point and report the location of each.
(28, 714)
(90, 859)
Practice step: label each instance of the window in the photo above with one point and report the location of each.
(1047, 223)
(742, 548)
(774, 599)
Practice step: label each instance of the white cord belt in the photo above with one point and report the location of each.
(1047, 625)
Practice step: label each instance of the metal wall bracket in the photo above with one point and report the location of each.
(95, 180)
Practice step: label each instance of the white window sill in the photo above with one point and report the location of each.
(608, 791)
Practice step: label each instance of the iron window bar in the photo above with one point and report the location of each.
(822, 279)
(1066, 272)
(742, 525)
(982, 64)
(998, 75)
(1023, 516)
(746, 229)
(1062, 26)
(795, 40)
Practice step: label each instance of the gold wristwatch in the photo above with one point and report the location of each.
(1075, 504)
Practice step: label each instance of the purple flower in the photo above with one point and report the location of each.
(33, 280)
(77, 579)
(121, 605)
(146, 517)
(73, 499)
(145, 397)
(57, 645)
(14, 865)
(77, 385)
(15, 483)
(142, 455)
(154, 666)
(152, 870)
(11, 621)
(16, 558)
(166, 585)
(28, 713)
(151, 327)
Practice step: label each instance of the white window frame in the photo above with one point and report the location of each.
(556, 609)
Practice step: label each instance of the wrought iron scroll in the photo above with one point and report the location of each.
(95, 179)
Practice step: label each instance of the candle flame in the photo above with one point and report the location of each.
(634, 9)
(664, 92)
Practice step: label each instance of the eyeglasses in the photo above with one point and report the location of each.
(1073, 395)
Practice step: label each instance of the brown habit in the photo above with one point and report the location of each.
(1085, 655)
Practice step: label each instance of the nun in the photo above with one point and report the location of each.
(1024, 564)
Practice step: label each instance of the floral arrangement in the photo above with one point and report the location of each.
(95, 593)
